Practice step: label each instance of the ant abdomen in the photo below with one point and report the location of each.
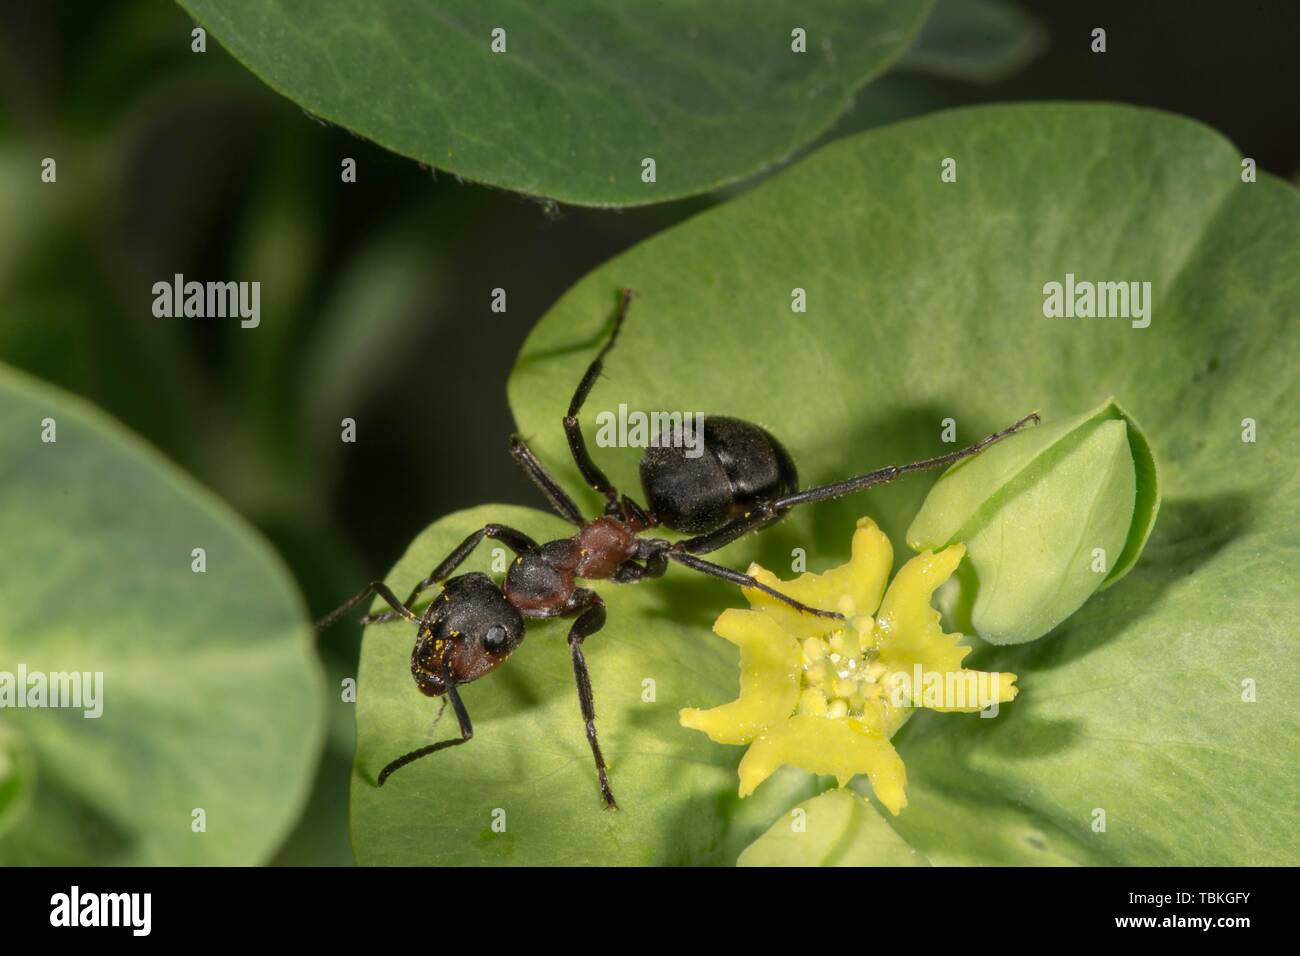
(696, 484)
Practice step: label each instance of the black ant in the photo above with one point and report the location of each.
(743, 481)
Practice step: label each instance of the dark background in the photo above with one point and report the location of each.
(175, 162)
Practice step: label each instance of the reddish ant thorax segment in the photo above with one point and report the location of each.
(540, 583)
(601, 547)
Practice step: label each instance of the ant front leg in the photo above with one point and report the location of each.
(462, 717)
(516, 541)
(374, 587)
(589, 621)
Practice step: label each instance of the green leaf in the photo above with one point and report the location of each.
(838, 828)
(925, 302)
(584, 90)
(980, 41)
(211, 695)
(1043, 514)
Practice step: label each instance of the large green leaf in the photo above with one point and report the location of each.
(584, 91)
(925, 302)
(211, 693)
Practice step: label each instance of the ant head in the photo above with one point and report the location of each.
(471, 629)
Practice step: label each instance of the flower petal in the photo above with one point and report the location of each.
(821, 745)
(770, 661)
(909, 628)
(852, 588)
(911, 635)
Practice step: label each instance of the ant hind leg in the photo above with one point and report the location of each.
(882, 476)
(745, 581)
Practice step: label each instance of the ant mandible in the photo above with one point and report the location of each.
(743, 481)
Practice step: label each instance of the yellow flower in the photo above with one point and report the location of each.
(826, 695)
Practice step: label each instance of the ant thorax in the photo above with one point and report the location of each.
(541, 582)
(601, 547)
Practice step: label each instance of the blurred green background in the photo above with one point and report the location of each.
(376, 295)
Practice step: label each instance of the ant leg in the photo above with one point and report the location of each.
(885, 475)
(656, 563)
(591, 472)
(374, 587)
(516, 541)
(629, 510)
(466, 732)
(763, 515)
(556, 495)
(744, 580)
(629, 572)
(588, 623)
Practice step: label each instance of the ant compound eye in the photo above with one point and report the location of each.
(496, 638)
